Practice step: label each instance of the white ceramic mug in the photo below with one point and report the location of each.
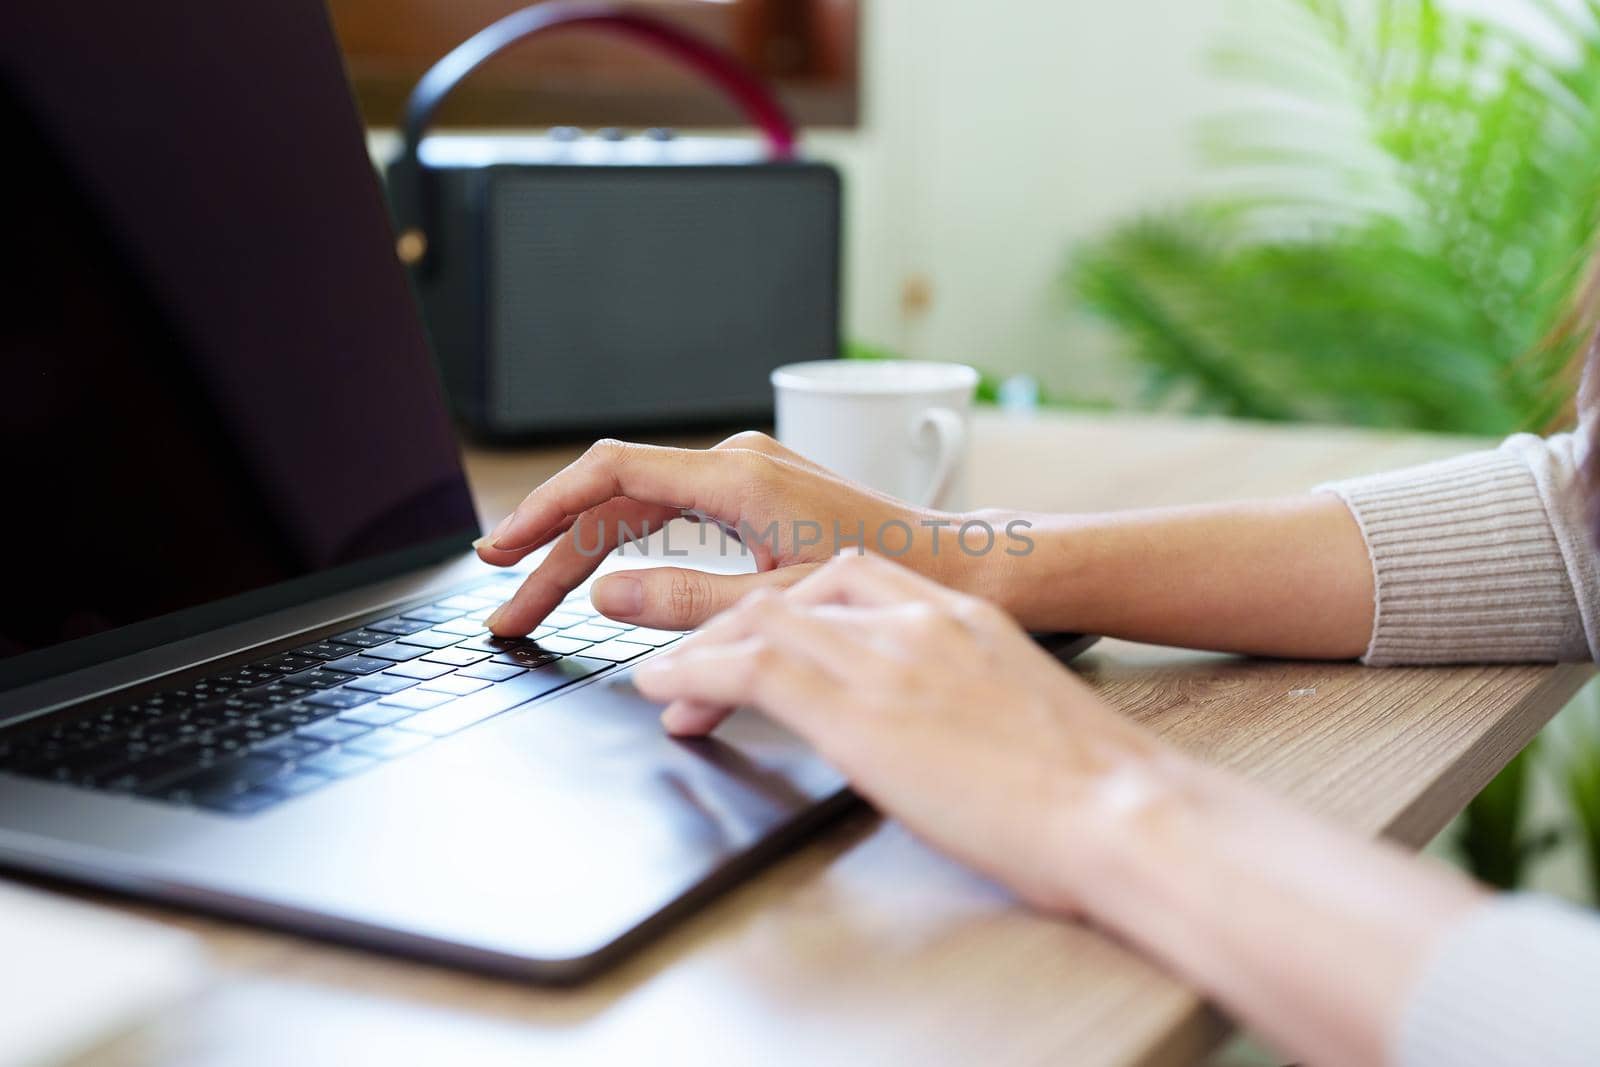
(899, 426)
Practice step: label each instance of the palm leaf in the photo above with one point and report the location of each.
(1399, 215)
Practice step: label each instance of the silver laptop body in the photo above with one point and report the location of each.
(235, 504)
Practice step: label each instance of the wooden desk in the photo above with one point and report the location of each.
(867, 948)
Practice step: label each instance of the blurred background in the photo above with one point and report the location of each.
(1358, 211)
(978, 142)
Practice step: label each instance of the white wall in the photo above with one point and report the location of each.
(997, 134)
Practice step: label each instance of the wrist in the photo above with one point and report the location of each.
(1005, 540)
(1038, 569)
(1128, 831)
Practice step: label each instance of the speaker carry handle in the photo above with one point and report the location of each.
(410, 188)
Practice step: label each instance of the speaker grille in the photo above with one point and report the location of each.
(626, 295)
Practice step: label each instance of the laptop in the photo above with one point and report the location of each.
(243, 666)
(242, 657)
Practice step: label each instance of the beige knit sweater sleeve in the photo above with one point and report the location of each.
(1488, 558)
(1481, 559)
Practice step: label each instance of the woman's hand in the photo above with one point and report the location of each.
(938, 708)
(946, 716)
(1284, 578)
(783, 507)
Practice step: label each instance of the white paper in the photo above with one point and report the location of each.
(72, 976)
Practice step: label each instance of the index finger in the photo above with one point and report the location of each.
(709, 482)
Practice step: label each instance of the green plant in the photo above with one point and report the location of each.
(1493, 836)
(1401, 213)
(1579, 774)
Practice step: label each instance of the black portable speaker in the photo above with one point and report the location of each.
(594, 285)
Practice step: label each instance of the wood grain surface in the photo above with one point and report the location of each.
(867, 948)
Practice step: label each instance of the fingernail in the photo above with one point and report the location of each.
(483, 542)
(619, 596)
(494, 535)
(494, 617)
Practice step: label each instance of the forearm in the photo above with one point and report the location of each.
(1283, 577)
(1311, 935)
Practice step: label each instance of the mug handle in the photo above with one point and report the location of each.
(951, 432)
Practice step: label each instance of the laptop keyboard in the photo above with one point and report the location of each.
(250, 737)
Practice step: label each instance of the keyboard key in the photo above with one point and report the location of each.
(489, 643)
(456, 657)
(382, 683)
(331, 731)
(275, 693)
(397, 625)
(253, 730)
(318, 679)
(182, 731)
(563, 645)
(654, 638)
(336, 763)
(298, 714)
(359, 664)
(490, 672)
(416, 700)
(430, 639)
(461, 627)
(530, 656)
(454, 683)
(419, 670)
(362, 638)
(386, 744)
(326, 650)
(432, 614)
(464, 602)
(591, 631)
(290, 749)
(377, 715)
(468, 710)
(395, 652)
(560, 620)
(238, 706)
(341, 698)
(616, 651)
(290, 663)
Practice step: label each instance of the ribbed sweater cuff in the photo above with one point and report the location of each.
(1466, 566)
(1514, 983)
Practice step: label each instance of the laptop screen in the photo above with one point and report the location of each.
(213, 380)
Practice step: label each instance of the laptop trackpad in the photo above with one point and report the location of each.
(601, 747)
(565, 823)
